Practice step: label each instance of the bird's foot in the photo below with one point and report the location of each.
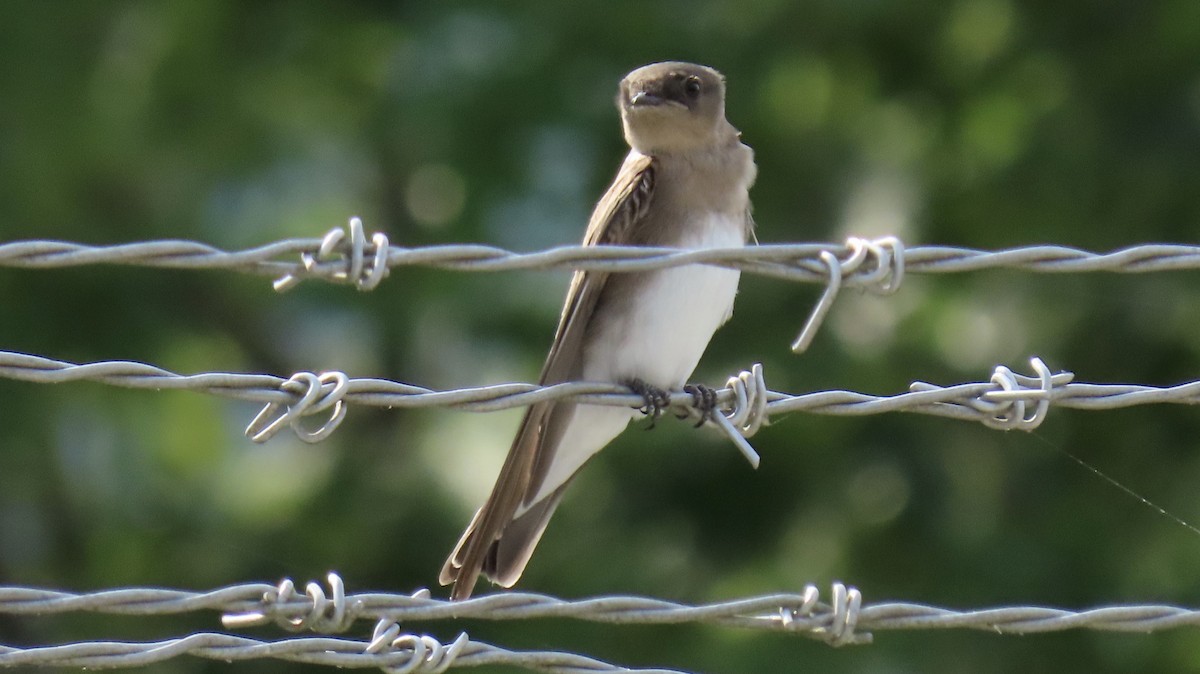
(656, 400)
(705, 399)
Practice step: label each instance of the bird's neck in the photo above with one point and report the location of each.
(710, 180)
(725, 165)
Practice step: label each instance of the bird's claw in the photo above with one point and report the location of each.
(705, 400)
(655, 399)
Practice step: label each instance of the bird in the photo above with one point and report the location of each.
(684, 183)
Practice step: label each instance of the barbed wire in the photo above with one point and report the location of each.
(1008, 400)
(333, 257)
(344, 255)
(844, 620)
(403, 654)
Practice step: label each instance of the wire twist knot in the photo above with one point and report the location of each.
(747, 413)
(426, 655)
(876, 265)
(343, 262)
(1006, 405)
(325, 614)
(836, 626)
(314, 398)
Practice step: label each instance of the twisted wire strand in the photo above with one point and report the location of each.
(794, 261)
(1000, 402)
(804, 613)
(345, 255)
(406, 654)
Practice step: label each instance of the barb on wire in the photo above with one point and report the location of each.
(747, 404)
(427, 653)
(327, 615)
(1005, 408)
(313, 399)
(748, 413)
(351, 256)
(880, 265)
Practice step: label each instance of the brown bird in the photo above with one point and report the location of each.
(684, 184)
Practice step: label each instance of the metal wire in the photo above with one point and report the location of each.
(1007, 400)
(757, 613)
(344, 255)
(794, 261)
(411, 654)
(1000, 402)
(843, 620)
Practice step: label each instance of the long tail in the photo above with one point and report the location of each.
(505, 558)
(470, 556)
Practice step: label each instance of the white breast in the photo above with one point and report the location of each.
(661, 338)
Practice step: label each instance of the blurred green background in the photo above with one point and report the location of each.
(982, 123)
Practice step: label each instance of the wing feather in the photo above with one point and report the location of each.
(529, 458)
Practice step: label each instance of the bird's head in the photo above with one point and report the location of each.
(673, 107)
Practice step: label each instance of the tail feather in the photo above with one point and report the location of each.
(454, 562)
(508, 554)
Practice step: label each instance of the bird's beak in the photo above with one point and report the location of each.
(645, 98)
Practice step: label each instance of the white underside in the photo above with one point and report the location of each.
(660, 341)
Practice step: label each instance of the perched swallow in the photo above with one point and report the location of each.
(684, 184)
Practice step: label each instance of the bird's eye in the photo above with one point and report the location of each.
(692, 86)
